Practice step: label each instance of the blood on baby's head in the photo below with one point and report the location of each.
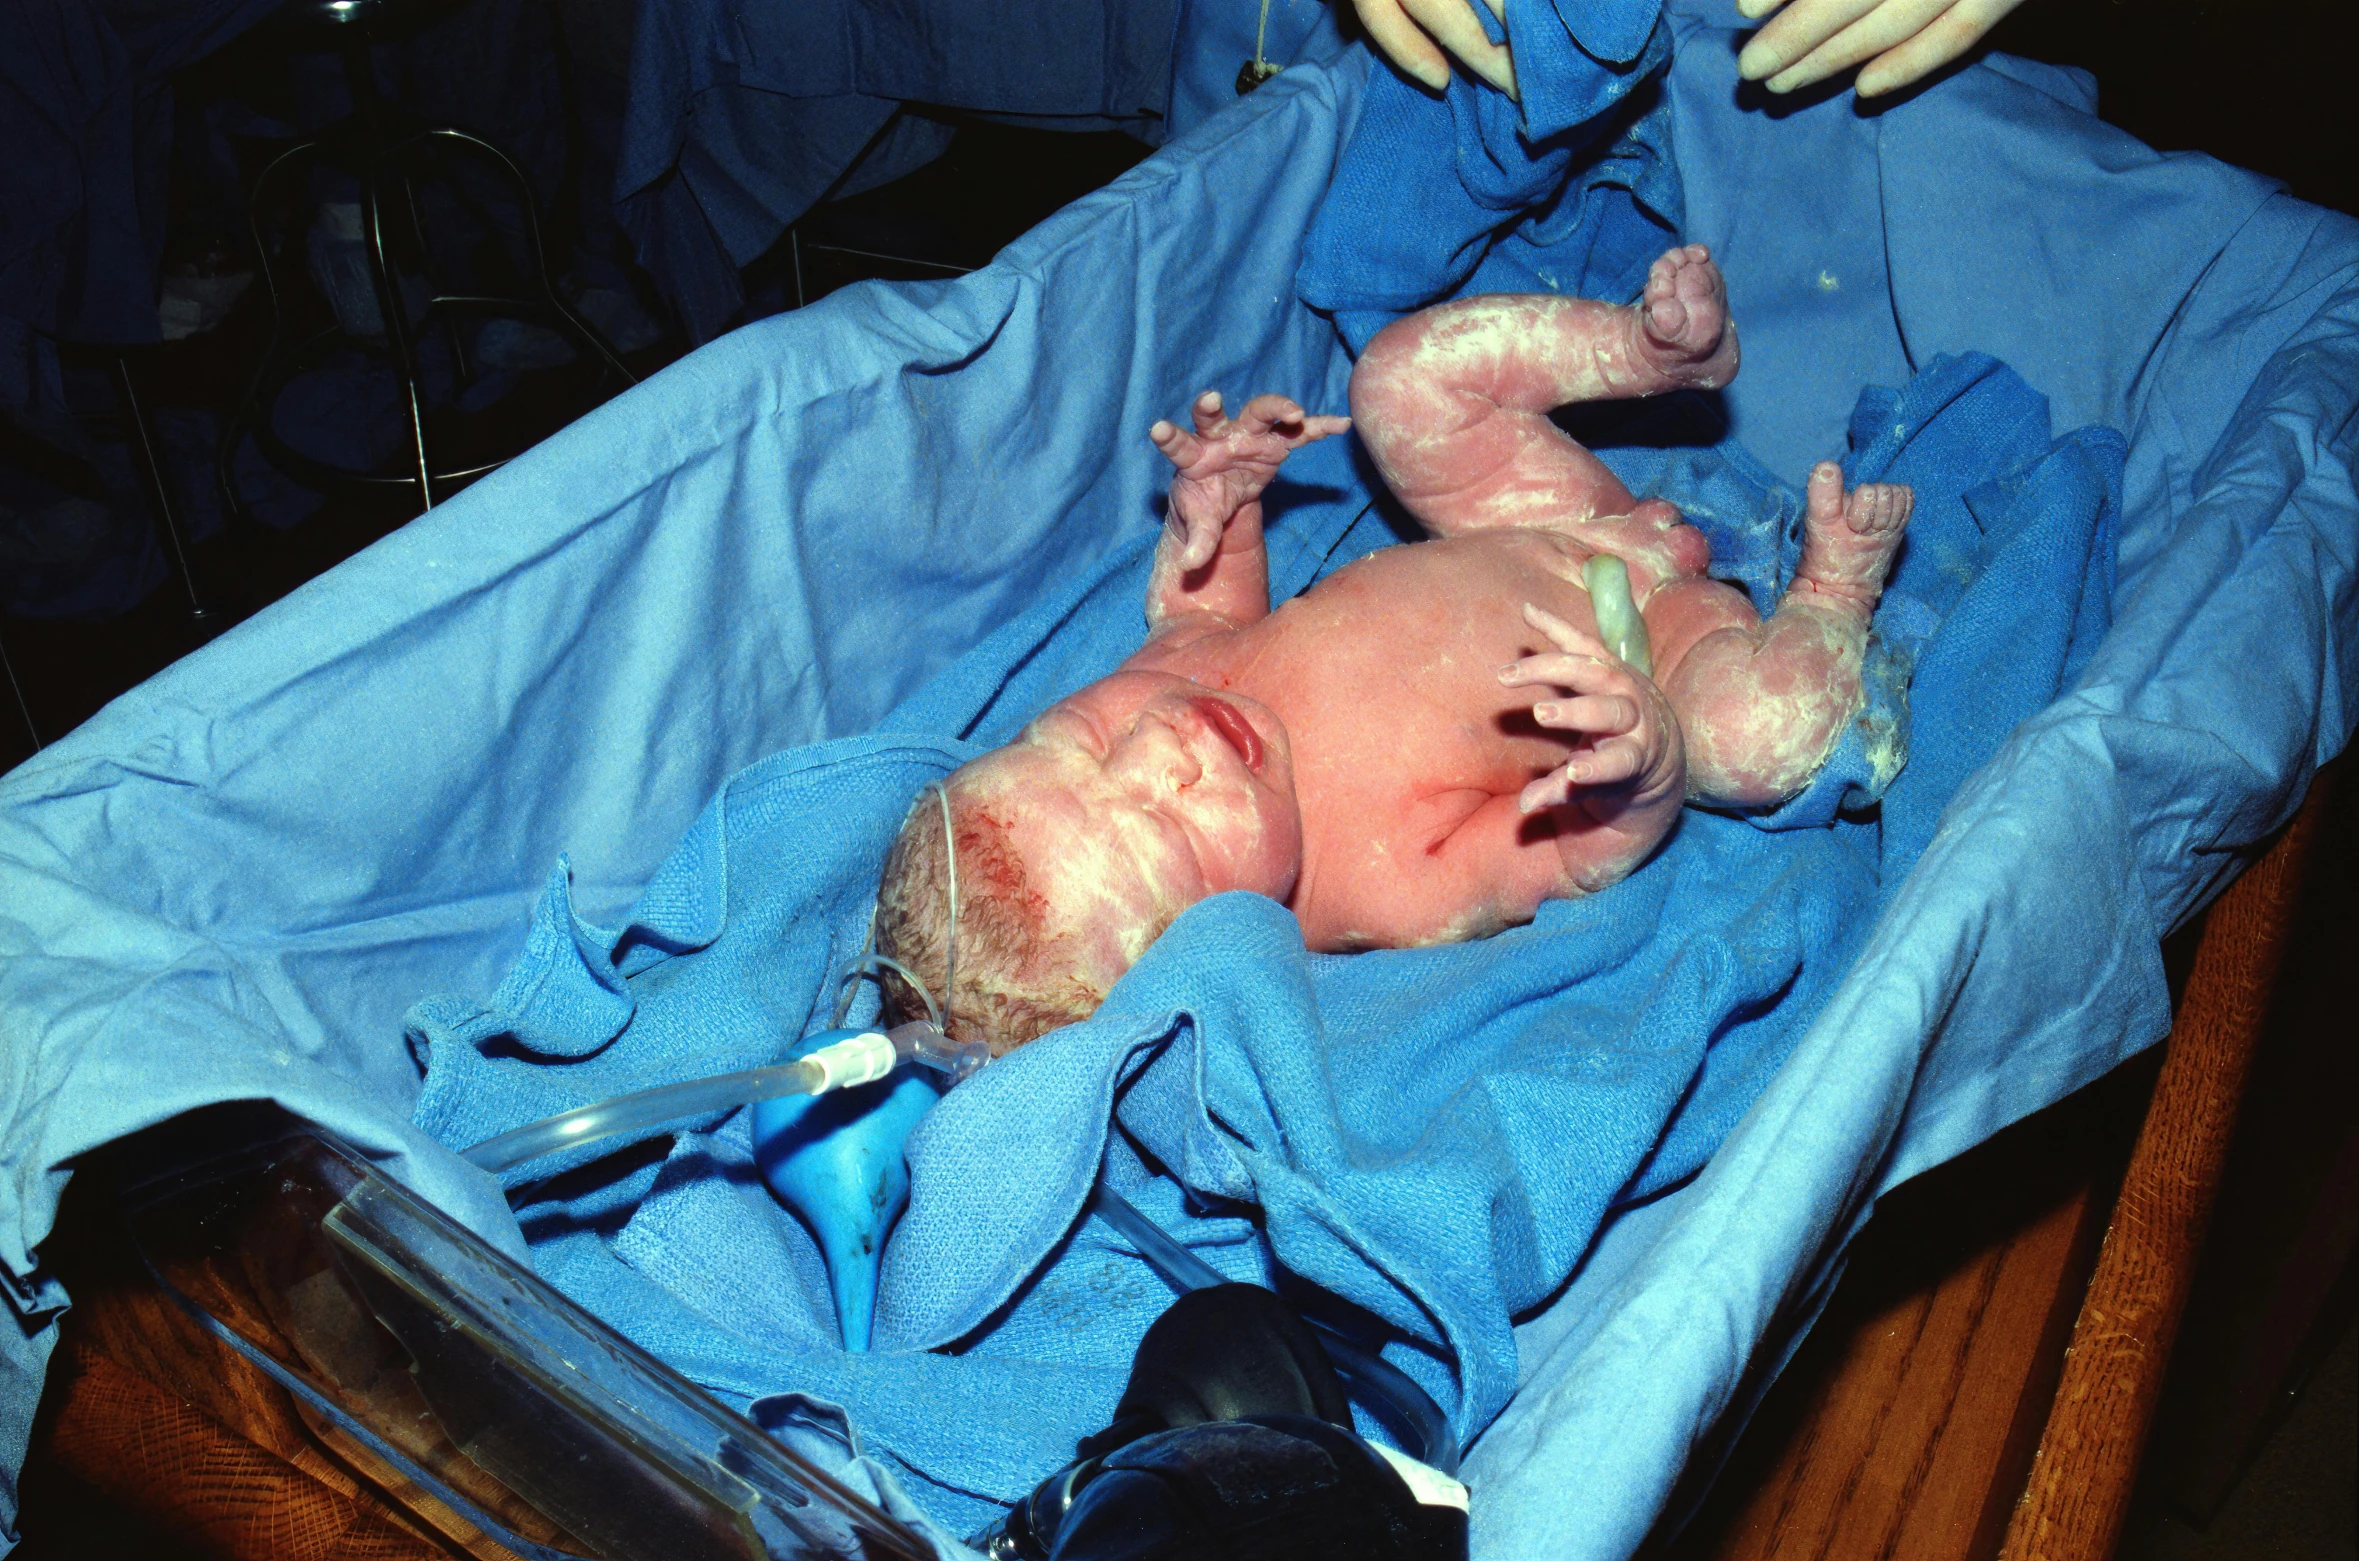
(1018, 973)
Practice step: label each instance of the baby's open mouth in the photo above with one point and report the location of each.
(1233, 728)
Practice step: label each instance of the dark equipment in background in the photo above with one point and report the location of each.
(387, 156)
(1231, 1440)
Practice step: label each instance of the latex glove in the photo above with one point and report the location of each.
(1413, 33)
(1634, 749)
(1901, 40)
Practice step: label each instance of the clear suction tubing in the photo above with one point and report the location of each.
(862, 1058)
(856, 1059)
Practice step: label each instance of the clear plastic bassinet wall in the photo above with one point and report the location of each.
(233, 882)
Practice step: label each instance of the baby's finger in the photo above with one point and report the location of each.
(1315, 429)
(1552, 790)
(1265, 413)
(1801, 27)
(1179, 447)
(1198, 542)
(1893, 22)
(1609, 763)
(1404, 43)
(1576, 670)
(1600, 715)
(1206, 412)
(1562, 634)
(1452, 24)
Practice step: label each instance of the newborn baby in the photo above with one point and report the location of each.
(1433, 740)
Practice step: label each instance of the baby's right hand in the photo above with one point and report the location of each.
(1222, 467)
(1634, 751)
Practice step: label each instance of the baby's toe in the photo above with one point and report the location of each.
(1879, 508)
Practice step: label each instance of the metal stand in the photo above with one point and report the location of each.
(384, 159)
(175, 540)
(24, 706)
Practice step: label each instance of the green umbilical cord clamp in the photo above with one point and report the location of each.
(1618, 622)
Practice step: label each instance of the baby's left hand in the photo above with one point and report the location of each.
(1634, 740)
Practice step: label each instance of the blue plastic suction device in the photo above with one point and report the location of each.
(835, 1160)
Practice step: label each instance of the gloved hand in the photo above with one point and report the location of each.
(1413, 33)
(1901, 40)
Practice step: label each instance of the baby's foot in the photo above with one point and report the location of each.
(1848, 543)
(1683, 327)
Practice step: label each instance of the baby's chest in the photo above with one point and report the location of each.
(1403, 711)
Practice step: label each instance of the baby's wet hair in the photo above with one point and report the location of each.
(1009, 990)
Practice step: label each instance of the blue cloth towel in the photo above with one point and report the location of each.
(1571, 191)
(1423, 1142)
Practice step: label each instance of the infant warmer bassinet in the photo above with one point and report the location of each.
(232, 883)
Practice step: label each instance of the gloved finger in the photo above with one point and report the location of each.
(1791, 34)
(1562, 634)
(1943, 40)
(1265, 413)
(1452, 24)
(1206, 412)
(1600, 715)
(1754, 10)
(1179, 447)
(1893, 22)
(1403, 42)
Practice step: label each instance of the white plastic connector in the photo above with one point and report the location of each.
(857, 1059)
(920, 1042)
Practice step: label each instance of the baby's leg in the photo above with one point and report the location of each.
(1453, 401)
(1762, 704)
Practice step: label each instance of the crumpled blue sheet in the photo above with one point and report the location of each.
(1571, 190)
(1431, 1135)
(232, 882)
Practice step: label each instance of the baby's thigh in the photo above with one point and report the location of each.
(1686, 611)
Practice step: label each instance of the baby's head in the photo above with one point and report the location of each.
(1079, 842)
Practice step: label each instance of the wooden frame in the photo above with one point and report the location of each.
(1985, 1379)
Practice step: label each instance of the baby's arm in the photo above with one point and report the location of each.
(1453, 401)
(1211, 559)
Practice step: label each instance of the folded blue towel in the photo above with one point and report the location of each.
(1422, 1142)
(1571, 191)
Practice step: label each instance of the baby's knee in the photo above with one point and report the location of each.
(1684, 614)
(1757, 729)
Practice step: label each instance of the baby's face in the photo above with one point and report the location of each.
(1138, 796)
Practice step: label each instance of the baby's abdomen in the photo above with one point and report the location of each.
(1388, 681)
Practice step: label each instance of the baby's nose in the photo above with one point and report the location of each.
(1157, 751)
